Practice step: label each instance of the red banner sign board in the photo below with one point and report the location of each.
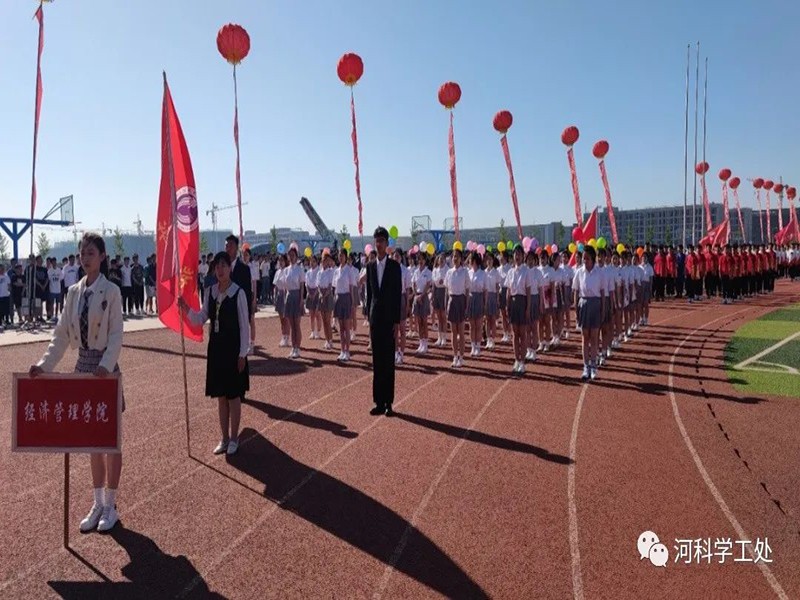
(66, 413)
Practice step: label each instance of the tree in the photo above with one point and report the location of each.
(3, 247)
(648, 234)
(559, 233)
(273, 239)
(629, 241)
(119, 246)
(43, 245)
(668, 236)
(203, 244)
(343, 235)
(503, 234)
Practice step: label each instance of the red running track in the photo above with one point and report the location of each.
(483, 485)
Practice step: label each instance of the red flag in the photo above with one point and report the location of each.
(39, 15)
(451, 146)
(717, 236)
(177, 227)
(589, 231)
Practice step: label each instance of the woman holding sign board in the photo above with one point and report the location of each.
(92, 322)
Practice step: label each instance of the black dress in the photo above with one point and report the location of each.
(223, 379)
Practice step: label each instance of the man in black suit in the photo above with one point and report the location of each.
(240, 272)
(384, 289)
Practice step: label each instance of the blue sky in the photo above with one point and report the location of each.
(616, 70)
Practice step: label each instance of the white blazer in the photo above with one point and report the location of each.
(105, 325)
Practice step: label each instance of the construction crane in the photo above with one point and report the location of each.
(215, 209)
(316, 221)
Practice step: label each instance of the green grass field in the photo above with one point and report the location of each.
(757, 336)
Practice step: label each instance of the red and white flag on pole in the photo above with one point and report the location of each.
(177, 227)
(39, 16)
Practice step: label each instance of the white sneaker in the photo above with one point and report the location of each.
(625, 338)
(516, 367)
(608, 351)
(352, 336)
(296, 353)
(400, 357)
(312, 335)
(477, 351)
(521, 368)
(283, 343)
(455, 362)
(326, 346)
(540, 348)
(546, 348)
(419, 349)
(585, 375)
(505, 339)
(108, 519)
(532, 357)
(233, 447)
(528, 354)
(490, 345)
(92, 519)
(566, 334)
(251, 350)
(460, 362)
(221, 447)
(340, 357)
(593, 374)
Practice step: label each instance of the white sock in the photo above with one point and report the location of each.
(111, 497)
(98, 496)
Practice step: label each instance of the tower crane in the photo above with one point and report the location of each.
(213, 212)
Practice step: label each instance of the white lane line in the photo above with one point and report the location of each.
(763, 353)
(412, 523)
(765, 570)
(222, 556)
(574, 547)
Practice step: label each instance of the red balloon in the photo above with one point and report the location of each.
(791, 193)
(233, 43)
(725, 174)
(768, 184)
(449, 94)
(734, 182)
(758, 183)
(778, 188)
(577, 234)
(600, 149)
(701, 168)
(570, 135)
(350, 68)
(502, 121)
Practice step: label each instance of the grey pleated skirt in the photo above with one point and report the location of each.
(343, 308)
(534, 308)
(439, 298)
(590, 314)
(492, 305)
(607, 312)
(517, 310)
(457, 308)
(312, 299)
(280, 302)
(422, 306)
(646, 291)
(88, 360)
(294, 307)
(475, 305)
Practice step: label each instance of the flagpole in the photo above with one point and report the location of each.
(686, 145)
(705, 112)
(36, 112)
(696, 103)
(180, 286)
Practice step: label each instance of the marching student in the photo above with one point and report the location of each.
(421, 282)
(547, 289)
(440, 300)
(587, 286)
(617, 304)
(638, 296)
(476, 301)
(568, 275)
(54, 277)
(294, 279)
(312, 297)
(137, 285)
(325, 288)
(343, 306)
(607, 296)
(456, 281)
(404, 299)
(494, 282)
(647, 291)
(559, 305)
(518, 291)
(227, 372)
(92, 322)
(247, 259)
(279, 282)
(535, 284)
(411, 266)
(6, 318)
(505, 267)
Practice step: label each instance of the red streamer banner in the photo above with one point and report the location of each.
(761, 216)
(354, 138)
(453, 186)
(716, 236)
(780, 210)
(769, 220)
(507, 155)
(575, 193)
(609, 207)
(39, 15)
(739, 213)
(726, 215)
(706, 205)
(236, 142)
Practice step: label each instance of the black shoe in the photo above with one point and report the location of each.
(378, 410)
(389, 412)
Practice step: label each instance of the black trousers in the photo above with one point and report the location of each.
(138, 296)
(679, 286)
(658, 285)
(383, 348)
(127, 298)
(727, 288)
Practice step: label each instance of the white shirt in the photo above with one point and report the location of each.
(198, 318)
(517, 280)
(202, 269)
(535, 281)
(568, 274)
(342, 279)
(494, 280)
(421, 279)
(278, 281)
(325, 279)
(126, 276)
(312, 278)
(456, 281)
(294, 277)
(504, 270)
(381, 269)
(439, 273)
(265, 268)
(648, 272)
(254, 272)
(406, 273)
(70, 275)
(588, 283)
(5, 285)
(54, 275)
(477, 281)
